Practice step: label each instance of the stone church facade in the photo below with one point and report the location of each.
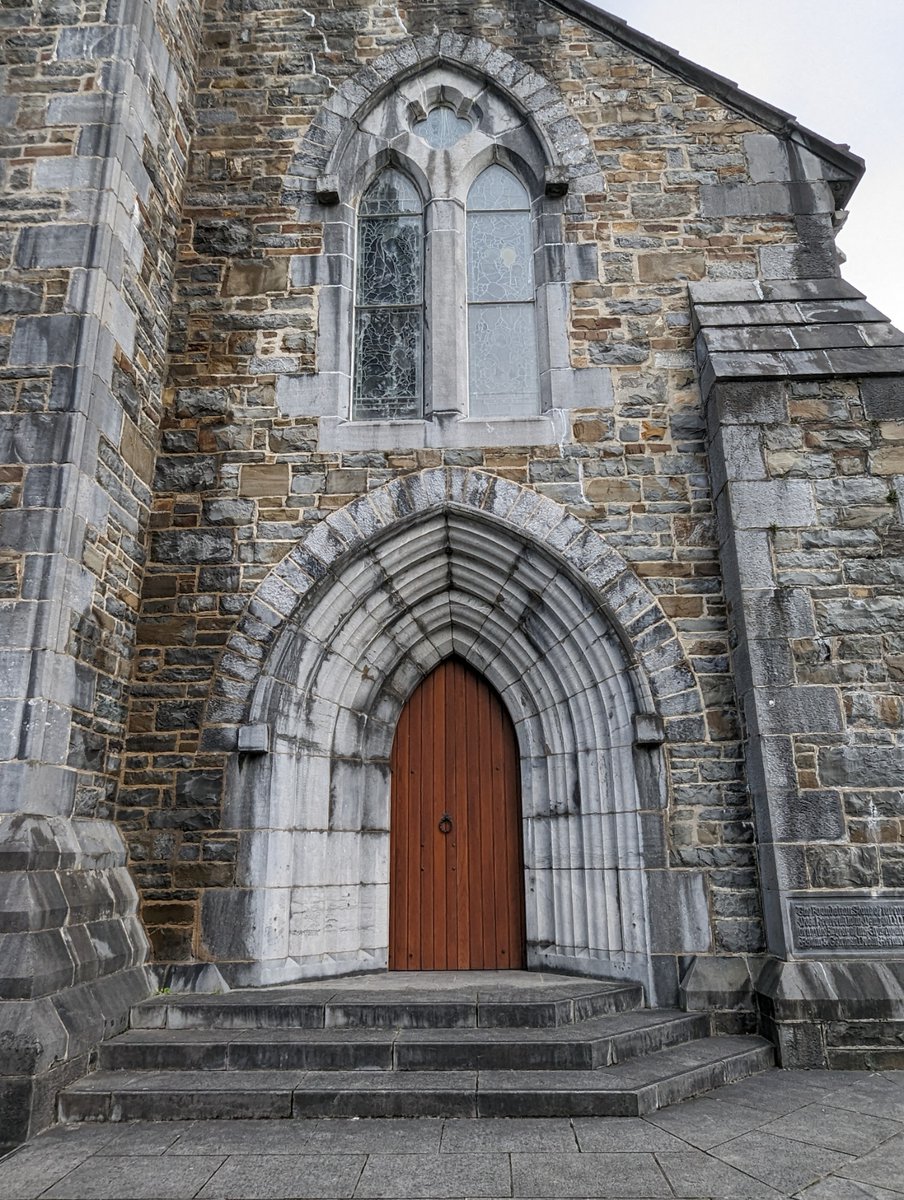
(345, 340)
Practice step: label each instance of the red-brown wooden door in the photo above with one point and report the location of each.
(456, 893)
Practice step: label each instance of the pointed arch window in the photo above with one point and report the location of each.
(502, 329)
(389, 301)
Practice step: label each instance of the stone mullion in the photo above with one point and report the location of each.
(446, 312)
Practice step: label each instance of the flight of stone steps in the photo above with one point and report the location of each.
(503, 1045)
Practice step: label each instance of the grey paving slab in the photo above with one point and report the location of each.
(32, 1169)
(508, 1135)
(834, 1128)
(152, 1178)
(297, 1177)
(785, 1165)
(584, 1175)
(435, 1176)
(602, 1135)
(779, 1091)
(241, 1137)
(880, 1096)
(707, 1122)
(386, 1136)
(144, 1138)
(846, 1189)
(87, 1138)
(693, 1175)
(883, 1167)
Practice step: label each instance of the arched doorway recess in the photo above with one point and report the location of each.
(456, 879)
(451, 562)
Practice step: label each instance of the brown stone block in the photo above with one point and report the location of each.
(171, 631)
(160, 586)
(889, 460)
(265, 479)
(256, 277)
(588, 431)
(672, 265)
(660, 570)
(613, 490)
(722, 724)
(136, 451)
(209, 874)
(171, 944)
(168, 912)
(681, 606)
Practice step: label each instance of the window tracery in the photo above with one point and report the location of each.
(502, 336)
(389, 301)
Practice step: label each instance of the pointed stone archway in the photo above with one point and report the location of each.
(335, 641)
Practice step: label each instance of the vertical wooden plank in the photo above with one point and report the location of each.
(458, 776)
(426, 827)
(452, 841)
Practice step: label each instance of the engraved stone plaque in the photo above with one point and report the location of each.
(844, 924)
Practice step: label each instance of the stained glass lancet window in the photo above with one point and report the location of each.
(502, 330)
(389, 301)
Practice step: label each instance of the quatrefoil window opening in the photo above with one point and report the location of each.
(442, 128)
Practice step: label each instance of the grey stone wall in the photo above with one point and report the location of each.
(812, 546)
(157, 479)
(244, 474)
(97, 108)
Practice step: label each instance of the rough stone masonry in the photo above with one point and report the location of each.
(705, 514)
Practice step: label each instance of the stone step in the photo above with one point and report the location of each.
(587, 1045)
(546, 1005)
(626, 1089)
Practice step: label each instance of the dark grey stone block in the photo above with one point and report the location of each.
(808, 816)
(91, 42)
(45, 340)
(219, 236)
(19, 298)
(861, 766)
(45, 246)
(193, 546)
(883, 399)
(185, 473)
(682, 924)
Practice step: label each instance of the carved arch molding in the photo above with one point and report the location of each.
(452, 562)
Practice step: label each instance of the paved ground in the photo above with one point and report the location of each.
(812, 1135)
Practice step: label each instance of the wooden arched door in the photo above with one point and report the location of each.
(456, 892)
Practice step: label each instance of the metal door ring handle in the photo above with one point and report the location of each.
(445, 824)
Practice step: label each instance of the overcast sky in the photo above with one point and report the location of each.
(838, 66)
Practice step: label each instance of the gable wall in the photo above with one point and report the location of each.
(237, 482)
